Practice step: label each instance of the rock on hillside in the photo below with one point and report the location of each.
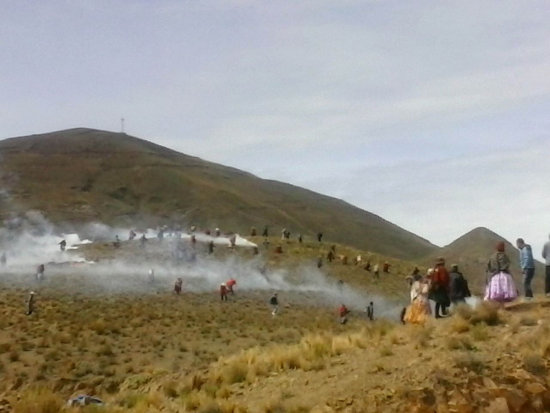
(81, 175)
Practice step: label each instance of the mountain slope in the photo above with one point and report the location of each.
(84, 175)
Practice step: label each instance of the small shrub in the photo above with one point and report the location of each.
(235, 373)
(486, 312)
(528, 320)
(480, 332)
(459, 325)
(14, 356)
(39, 400)
(470, 362)
(535, 364)
(459, 343)
(386, 351)
(4, 347)
(421, 334)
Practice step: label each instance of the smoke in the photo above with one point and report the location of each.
(32, 240)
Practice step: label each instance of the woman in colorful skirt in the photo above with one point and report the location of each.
(500, 285)
(419, 310)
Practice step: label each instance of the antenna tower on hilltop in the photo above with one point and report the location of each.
(121, 125)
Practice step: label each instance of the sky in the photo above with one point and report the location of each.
(433, 115)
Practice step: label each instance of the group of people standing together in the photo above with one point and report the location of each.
(445, 288)
(439, 285)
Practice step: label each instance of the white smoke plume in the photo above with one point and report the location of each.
(31, 241)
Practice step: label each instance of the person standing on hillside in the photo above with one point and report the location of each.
(419, 310)
(376, 270)
(499, 261)
(230, 284)
(370, 311)
(458, 286)
(265, 232)
(343, 313)
(367, 266)
(500, 284)
(62, 245)
(319, 236)
(546, 256)
(527, 264)
(440, 288)
(178, 285)
(40, 272)
(274, 303)
(30, 303)
(223, 292)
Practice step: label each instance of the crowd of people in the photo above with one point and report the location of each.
(445, 288)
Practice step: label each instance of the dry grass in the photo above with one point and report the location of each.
(39, 400)
(311, 353)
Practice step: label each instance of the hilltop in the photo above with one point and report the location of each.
(83, 175)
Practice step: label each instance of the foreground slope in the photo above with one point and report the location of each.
(84, 175)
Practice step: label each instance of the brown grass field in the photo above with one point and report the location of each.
(158, 352)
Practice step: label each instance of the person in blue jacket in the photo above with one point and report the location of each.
(527, 264)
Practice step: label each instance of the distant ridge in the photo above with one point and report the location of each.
(81, 175)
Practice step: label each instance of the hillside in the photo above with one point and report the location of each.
(82, 175)
(142, 348)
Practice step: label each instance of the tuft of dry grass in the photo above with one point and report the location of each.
(480, 332)
(459, 325)
(459, 343)
(535, 363)
(38, 400)
(469, 361)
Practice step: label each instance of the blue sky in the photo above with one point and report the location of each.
(433, 115)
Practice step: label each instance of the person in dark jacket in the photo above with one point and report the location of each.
(439, 291)
(30, 303)
(274, 303)
(458, 286)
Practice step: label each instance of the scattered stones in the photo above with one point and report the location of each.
(499, 405)
(515, 398)
(534, 388)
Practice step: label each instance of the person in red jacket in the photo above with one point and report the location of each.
(439, 291)
(223, 292)
(230, 284)
(343, 313)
